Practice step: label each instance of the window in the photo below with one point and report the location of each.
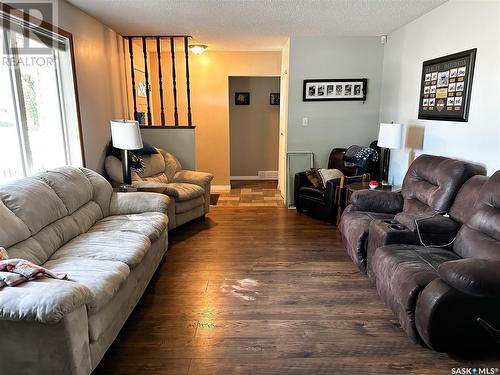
(39, 125)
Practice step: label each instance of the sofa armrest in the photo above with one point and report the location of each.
(447, 319)
(43, 301)
(148, 184)
(476, 277)
(138, 202)
(201, 179)
(428, 223)
(37, 348)
(376, 201)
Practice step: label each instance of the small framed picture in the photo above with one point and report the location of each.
(334, 89)
(242, 98)
(274, 98)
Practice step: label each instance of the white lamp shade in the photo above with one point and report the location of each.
(389, 135)
(126, 134)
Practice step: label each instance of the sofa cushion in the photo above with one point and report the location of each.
(71, 186)
(125, 247)
(401, 273)
(102, 277)
(41, 246)
(43, 300)
(13, 229)
(153, 165)
(480, 236)
(354, 226)
(183, 191)
(432, 182)
(150, 224)
(185, 206)
(465, 202)
(172, 165)
(157, 178)
(102, 190)
(32, 201)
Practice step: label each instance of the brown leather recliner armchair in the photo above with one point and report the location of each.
(324, 203)
(446, 299)
(429, 189)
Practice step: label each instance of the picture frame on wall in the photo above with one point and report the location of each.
(242, 98)
(315, 90)
(445, 87)
(274, 98)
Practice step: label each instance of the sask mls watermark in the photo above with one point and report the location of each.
(474, 370)
(27, 39)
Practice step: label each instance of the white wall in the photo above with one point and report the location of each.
(179, 142)
(453, 27)
(334, 123)
(100, 78)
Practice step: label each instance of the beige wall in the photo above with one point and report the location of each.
(254, 128)
(100, 77)
(209, 95)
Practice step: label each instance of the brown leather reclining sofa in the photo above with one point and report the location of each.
(447, 297)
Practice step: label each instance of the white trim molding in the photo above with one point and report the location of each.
(220, 188)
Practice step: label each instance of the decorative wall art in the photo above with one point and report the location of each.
(334, 89)
(274, 98)
(242, 98)
(446, 87)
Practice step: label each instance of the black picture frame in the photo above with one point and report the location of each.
(274, 98)
(445, 87)
(320, 90)
(241, 98)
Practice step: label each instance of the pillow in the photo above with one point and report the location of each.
(329, 174)
(314, 178)
(147, 149)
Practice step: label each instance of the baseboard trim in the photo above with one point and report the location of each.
(220, 188)
(252, 178)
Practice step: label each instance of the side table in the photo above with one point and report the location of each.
(355, 186)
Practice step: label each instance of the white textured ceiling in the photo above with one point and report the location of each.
(255, 24)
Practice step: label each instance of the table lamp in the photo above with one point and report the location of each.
(389, 137)
(126, 135)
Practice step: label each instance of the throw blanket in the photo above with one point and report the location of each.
(358, 157)
(17, 271)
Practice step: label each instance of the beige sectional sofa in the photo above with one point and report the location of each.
(110, 244)
(189, 190)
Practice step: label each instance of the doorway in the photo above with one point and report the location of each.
(254, 121)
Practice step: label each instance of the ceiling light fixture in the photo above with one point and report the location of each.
(198, 49)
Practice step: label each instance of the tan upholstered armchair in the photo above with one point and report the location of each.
(189, 190)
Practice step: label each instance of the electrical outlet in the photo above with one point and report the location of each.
(305, 121)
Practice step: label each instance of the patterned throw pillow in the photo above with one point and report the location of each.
(314, 178)
(329, 174)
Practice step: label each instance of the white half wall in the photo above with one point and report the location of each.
(453, 27)
(180, 142)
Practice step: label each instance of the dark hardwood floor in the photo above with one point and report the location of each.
(264, 291)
